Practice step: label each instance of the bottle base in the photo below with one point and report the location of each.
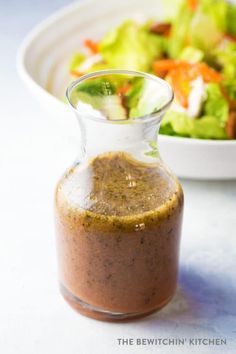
(96, 313)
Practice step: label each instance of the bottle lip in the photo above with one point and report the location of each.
(156, 115)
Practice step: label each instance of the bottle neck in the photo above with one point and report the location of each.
(138, 139)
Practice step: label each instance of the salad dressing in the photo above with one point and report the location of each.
(118, 251)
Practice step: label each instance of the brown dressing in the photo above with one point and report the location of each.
(119, 224)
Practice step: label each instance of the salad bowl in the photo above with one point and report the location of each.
(43, 61)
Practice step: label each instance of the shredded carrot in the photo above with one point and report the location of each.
(123, 89)
(161, 73)
(193, 4)
(181, 73)
(76, 73)
(206, 72)
(180, 85)
(187, 69)
(168, 64)
(182, 98)
(91, 45)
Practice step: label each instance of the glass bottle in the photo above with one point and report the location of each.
(118, 208)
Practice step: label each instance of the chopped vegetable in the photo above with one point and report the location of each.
(231, 20)
(192, 4)
(169, 64)
(230, 88)
(124, 89)
(179, 32)
(161, 28)
(208, 127)
(216, 104)
(91, 45)
(97, 87)
(76, 61)
(196, 97)
(226, 58)
(191, 55)
(126, 47)
(208, 24)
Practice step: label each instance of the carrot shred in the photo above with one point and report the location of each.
(168, 64)
(193, 4)
(182, 73)
(180, 85)
(190, 71)
(123, 89)
(161, 73)
(76, 73)
(206, 72)
(91, 45)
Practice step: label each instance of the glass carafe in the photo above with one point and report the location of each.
(118, 208)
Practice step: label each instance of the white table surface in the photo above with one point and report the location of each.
(34, 152)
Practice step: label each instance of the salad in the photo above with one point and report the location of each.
(195, 52)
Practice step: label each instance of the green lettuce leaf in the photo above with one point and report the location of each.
(202, 28)
(131, 46)
(215, 104)
(133, 96)
(97, 87)
(208, 24)
(179, 124)
(226, 58)
(231, 19)
(208, 127)
(144, 98)
(230, 87)
(76, 60)
(179, 31)
(170, 9)
(192, 55)
(100, 94)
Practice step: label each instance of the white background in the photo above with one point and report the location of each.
(34, 152)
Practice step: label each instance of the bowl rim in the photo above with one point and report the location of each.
(26, 77)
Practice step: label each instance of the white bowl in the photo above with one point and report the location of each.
(43, 65)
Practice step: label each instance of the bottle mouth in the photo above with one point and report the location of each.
(120, 96)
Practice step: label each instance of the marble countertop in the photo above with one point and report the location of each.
(34, 319)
